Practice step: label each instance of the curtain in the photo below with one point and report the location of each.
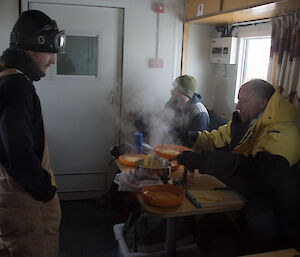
(284, 65)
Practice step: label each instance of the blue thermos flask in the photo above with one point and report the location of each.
(138, 142)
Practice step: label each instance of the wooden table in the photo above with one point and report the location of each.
(232, 202)
(187, 208)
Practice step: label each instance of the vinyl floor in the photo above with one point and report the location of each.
(87, 230)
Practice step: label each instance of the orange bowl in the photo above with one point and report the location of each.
(170, 151)
(163, 195)
(130, 158)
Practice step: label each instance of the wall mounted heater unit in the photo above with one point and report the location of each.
(223, 50)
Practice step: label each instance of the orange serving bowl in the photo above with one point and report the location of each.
(130, 158)
(169, 151)
(163, 195)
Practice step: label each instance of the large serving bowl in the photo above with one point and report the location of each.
(163, 195)
(169, 151)
(131, 158)
(162, 172)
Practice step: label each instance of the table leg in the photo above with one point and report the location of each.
(170, 243)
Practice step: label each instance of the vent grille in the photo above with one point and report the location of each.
(81, 182)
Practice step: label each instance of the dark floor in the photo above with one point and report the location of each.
(86, 230)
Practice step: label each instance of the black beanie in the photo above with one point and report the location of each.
(28, 28)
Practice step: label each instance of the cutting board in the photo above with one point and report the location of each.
(213, 198)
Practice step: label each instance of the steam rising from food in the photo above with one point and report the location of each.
(149, 98)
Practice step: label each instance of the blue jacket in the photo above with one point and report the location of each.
(194, 116)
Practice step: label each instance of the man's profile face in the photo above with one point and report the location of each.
(176, 92)
(43, 60)
(250, 104)
(179, 97)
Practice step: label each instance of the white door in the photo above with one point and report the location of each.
(82, 112)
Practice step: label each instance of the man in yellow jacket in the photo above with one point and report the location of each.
(253, 154)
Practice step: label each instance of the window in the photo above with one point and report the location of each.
(80, 57)
(253, 61)
(80, 60)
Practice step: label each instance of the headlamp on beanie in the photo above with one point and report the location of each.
(35, 31)
(48, 39)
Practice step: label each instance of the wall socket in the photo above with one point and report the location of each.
(156, 63)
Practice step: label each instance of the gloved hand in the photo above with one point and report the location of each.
(189, 159)
(188, 138)
(217, 163)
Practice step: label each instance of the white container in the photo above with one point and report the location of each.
(224, 50)
(190, 249)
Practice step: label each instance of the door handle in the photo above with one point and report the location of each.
(112, 95)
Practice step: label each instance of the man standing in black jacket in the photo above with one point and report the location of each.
(29, 206)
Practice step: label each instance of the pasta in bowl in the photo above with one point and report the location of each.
(130, 159)
(153, 167)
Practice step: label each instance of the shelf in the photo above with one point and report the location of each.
(254, 12)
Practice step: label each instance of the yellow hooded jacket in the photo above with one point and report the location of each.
(274, 132)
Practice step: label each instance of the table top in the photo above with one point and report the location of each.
(232, 202)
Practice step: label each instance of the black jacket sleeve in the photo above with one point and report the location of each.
(17, 135)
(250, 175)
(260, 174)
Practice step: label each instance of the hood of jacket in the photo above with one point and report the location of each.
(196, 98)
(277, 110)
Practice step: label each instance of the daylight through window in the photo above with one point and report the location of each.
(254, 60)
